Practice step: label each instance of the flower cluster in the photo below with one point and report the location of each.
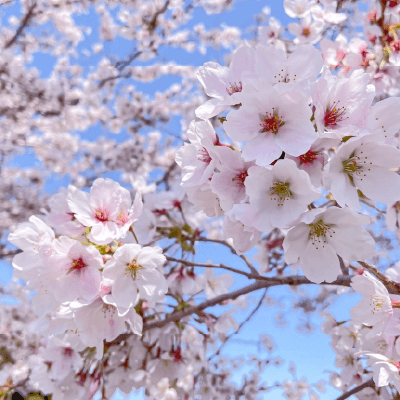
(294, 135)
(86, 278)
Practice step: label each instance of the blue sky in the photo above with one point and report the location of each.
(310, 352)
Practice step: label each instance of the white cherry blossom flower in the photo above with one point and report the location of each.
(384, 370)
(107, 209)
(297, 8)
(307, 31)
(199, 158)
(243, 237)
(277, 196)
(134, 272)
(375, 307)
(76, 270)
(34, 238)
(228, 183)
(63, 359)
(217, 285)
(223, 83)
(322, 235)
(342, 102)
(295, 71)
(328, 12)
(61, 218)
(270, 123)
(99, 320)
(271, 33)
(365, 165)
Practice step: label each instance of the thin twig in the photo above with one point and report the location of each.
(23, 25)
(368, 383)
(205, 265)
(240, 326)
(232, 249)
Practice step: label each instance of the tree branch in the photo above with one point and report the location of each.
(264, 283)
(23, 25)
(368, 383)
(392, 287)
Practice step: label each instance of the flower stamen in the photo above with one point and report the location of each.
(282, 191)
(334, 114)
(272, 122)
(234, 88)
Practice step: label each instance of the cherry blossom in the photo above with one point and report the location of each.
(277, 196)
(271, 122)
(134, 273)
(107, 210)
(321, 236)
(199, 158)
(76, 269)
(375, 308)
(223, 83)
(342, 102)
(362, 164)
(384, 370)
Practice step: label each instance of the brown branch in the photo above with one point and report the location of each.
(260, 284)
(368, 383)
(23, 25)
(391, 286)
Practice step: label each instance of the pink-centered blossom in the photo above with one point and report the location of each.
(107, 209)
(76, 270)
(224, 84)
(271, 122)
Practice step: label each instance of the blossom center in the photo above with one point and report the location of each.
(318, 233)
(308, 158)
(356, 165)
(372, 16)
(334, 114)
(377, 302)
(272, 122)
(282, 191)
(101, 214)
(234, 88)
(68, 352)
(340, 55)
(306, 32)
(77, 265)
(240, 178)
(122, 218)
(204, 156)
(132, 269)
(213, 284)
